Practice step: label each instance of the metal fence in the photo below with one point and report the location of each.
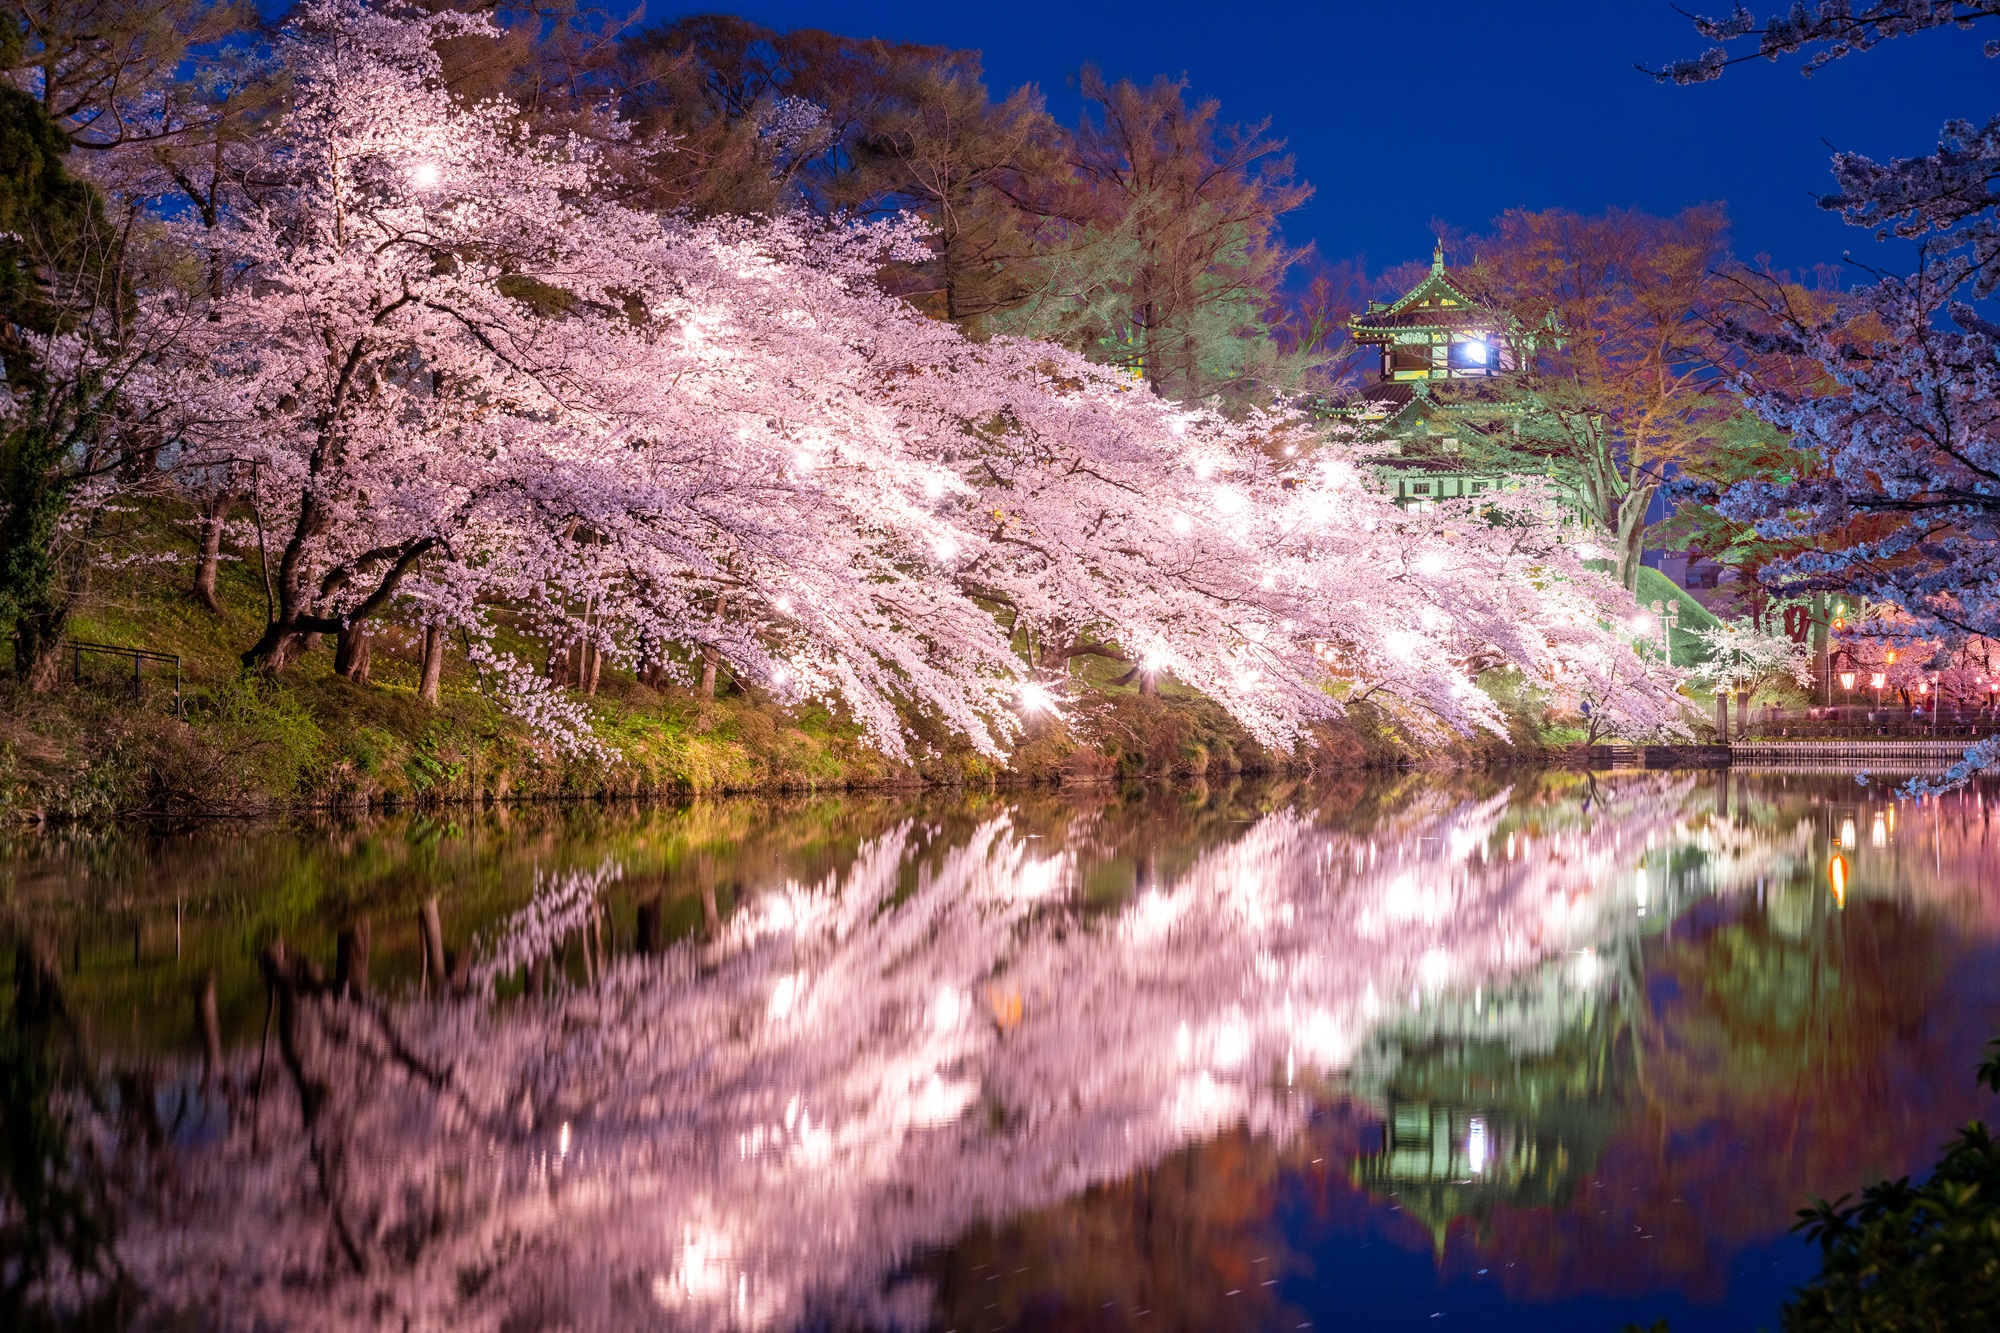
(117, 676)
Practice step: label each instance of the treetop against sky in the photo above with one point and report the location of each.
(1456, 112)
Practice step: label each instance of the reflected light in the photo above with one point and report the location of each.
(784, 995)
(1836, 877)
(1848, 839)
(1587, 968)
(1477, 1146)
(1879, 835)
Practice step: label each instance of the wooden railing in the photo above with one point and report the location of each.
(1863, 722)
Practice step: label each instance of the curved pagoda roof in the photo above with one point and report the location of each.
(1435, 305)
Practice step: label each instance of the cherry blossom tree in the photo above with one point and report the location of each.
(1909, 511)
(468, 389)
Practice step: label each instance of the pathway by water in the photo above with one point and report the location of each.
(1425, 1052)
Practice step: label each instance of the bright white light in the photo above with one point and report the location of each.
(1639, 888)
(1232, 1043)
(562, 1140)
(1879, 835)
(1204, 469)
(1430, 563)
(1587, 968)
(803, 462)
(1475, 352)
(1400, 644)
(1847, 834)
(945, 1010)
(426, 176)
(1434, 968)
(1290, 450)
(1183, 524)
(945, 547)
(1268, 581)
(1178, 425)
(1035, 699)
(783, 995)
(1642, 623)
(1431, 618)
(1477, 1148)
(784, 605)
(1228, 501)
(934, 488)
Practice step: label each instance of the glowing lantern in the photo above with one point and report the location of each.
(1878, 680)
(1836, 877)
(1847, 680)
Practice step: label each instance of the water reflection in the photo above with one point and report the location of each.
(1049, 1061)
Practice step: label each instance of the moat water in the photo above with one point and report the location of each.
(1554, 1051)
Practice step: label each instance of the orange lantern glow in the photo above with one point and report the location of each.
(1836, 876)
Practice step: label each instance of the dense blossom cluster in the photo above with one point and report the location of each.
(461, 388)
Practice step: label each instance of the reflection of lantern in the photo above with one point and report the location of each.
(1847, 680)
(1879, 835)
(1847, 838)
(1836, 875)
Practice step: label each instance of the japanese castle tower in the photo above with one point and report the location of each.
(1441, 359)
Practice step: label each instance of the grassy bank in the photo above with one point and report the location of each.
(246, 744)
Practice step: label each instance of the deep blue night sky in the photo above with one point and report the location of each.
(1402, 113)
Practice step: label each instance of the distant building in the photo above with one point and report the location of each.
(1439, 385)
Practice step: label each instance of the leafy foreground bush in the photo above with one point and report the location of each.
(1909, 1257)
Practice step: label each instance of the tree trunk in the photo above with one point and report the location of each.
(38, 636)
(649, 928)
(596, 667)
(1742, 714)
(351, 651)
(432, 928)
(214, 517)
(350, 967)
(211, 1035)
(1631, 534)
(433, 667)
(708, 660)
(1722, 717)
(1822, 648)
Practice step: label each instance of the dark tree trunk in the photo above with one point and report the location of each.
(351, 651)
(649, 928)
(350, 967)
(38, 639)
(433, 667)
